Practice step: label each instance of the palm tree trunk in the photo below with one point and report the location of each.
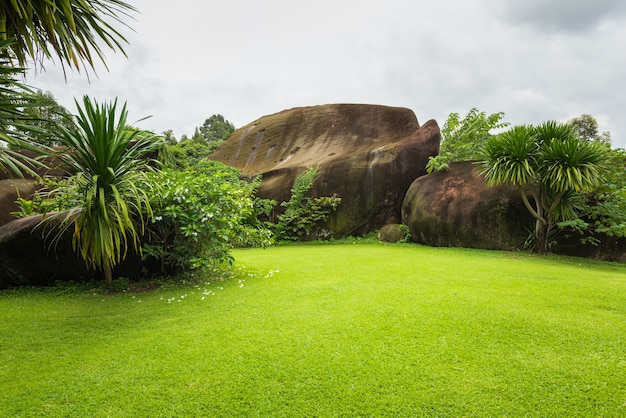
(108, 275)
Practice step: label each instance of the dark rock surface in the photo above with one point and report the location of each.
(29, 256)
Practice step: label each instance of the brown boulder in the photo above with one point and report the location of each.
(392, 233)
(368, 155)
(456, 208)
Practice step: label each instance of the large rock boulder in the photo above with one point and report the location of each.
(368, 155)
(456, 208)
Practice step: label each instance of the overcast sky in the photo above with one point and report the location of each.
(535, 60)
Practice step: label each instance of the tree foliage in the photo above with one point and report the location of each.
(586, 126)
(216, 129)
(200, 213)
(41, 114)
(606, 208)
(550, 164)
(462, 139)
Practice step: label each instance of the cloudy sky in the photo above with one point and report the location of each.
(535, 60)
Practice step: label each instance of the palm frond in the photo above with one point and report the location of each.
(508, 158)
(70, 30)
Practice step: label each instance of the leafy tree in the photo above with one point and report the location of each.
(462, 139)
(186, 153)
(548, 163)
(606, 208)
(169, 138)
(586, 126)
(216, 129)
(109, 167)
(70, 30)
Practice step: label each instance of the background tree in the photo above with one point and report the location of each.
(550, 164)
(168, 137)
(216, 129)
(586, 126)
(109, 165)
(70, 30)
(462, 139)
(40, 115)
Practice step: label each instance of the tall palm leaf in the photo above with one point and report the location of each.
(67, 29)
(108, 161)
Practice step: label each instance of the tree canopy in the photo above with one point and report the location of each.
(462, 139)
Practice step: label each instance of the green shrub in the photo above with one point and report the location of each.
(200, 214)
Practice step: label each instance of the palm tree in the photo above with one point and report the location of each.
(548, 163)
(108, 162)
(70, 30)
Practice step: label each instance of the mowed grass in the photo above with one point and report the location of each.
(330, 330)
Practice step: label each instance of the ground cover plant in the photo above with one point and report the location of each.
(352, 329)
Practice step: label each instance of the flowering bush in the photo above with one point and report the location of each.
(199, 215)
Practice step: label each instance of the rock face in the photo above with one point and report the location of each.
(457, 209)
(367, 155)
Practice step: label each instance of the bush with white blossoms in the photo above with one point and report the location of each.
(199, 215)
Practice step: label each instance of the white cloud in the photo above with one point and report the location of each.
(244, 59)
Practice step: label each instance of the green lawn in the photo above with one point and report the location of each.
(329, 330)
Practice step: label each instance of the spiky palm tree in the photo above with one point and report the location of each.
(70, 30)
(108, 162)
(549, 164)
